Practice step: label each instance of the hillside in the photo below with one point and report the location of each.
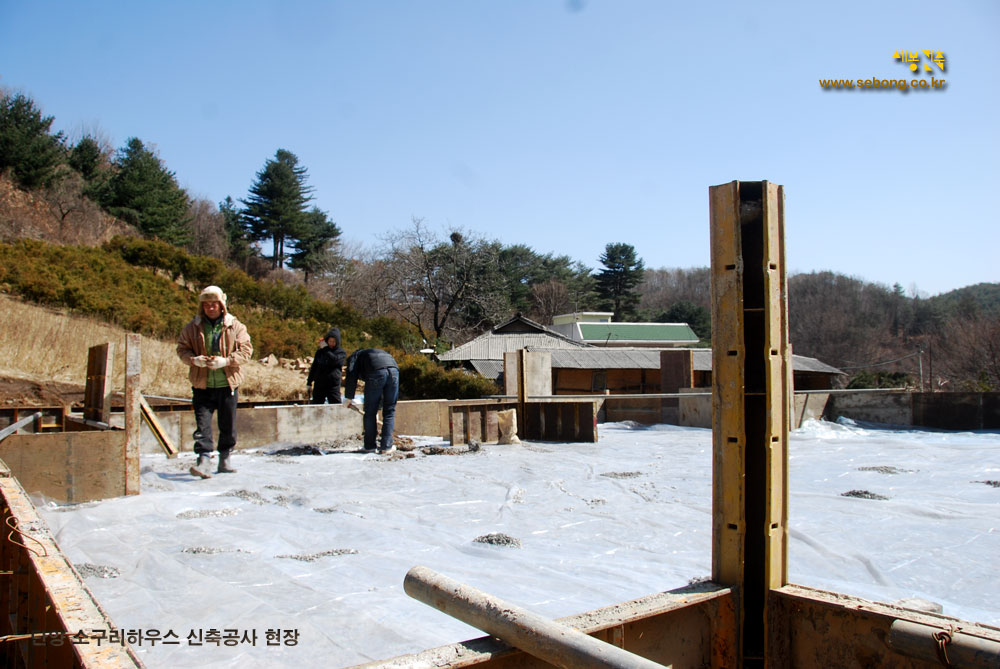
(150, 288)
(43, 361)
(57, 217)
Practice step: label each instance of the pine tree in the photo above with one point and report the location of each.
(276, 208)
(240, 250)
(89, 159)
(314, 251)
(617, 282)
(144, 193)
(26, 147)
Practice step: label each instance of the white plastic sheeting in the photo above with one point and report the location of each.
(318, 545)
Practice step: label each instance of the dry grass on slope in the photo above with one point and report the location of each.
(47, 345)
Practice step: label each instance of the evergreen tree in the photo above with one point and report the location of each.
(523, 269)
(26, 147)
(697, 317)
(314, 251)
(276, 208)
(240, 250)
(617, 282)
(144, 193)
(89, 159)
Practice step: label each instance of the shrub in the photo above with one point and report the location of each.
(867, 379)
(422, 378)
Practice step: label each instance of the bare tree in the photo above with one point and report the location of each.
(359, 279)
(549, 299)
(208, 230)
(78, 219)
(843, 321)
(663, 288)
(440, 287)
(969, 352)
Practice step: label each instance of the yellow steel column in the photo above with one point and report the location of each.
(751, 400)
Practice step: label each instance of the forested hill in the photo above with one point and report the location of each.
(979, 297)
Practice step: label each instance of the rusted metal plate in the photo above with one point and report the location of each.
(779, 390)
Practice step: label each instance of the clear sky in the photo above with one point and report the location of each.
(565, 125)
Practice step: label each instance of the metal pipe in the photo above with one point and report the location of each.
(545, 639)
(14, 427)
(935, 644)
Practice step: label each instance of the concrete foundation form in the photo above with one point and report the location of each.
(943, 411)
(542, 419)
(48, 617)
(687, 627)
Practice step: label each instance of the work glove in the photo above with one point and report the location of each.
(218, 362)
(200, 361)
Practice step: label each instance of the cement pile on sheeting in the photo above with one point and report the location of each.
(311, 546)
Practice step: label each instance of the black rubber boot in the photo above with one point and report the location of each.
(225, 466)
(202, 467)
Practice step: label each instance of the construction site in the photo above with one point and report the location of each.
(723, 596)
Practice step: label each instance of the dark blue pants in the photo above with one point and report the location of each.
(206, 402)
(381, 390)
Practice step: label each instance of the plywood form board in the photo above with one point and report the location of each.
(686, 630)
(97, 391)
(70, 466)
(625, 381)
(312, 423)
(811, 628)
(560, 421)
(46, 593)
(456, 428)
(422, 418)
(538, 373)
(573, 381)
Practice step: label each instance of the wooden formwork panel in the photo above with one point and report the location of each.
(43, 599)
(646, 411)
(573, 382)
(559, 421)
(53, 419)
(689, 628)
(814, 628)
(422, 418)
(565, 421)
(474, 422)
(71, 466)
(97, 392)
(631, 381)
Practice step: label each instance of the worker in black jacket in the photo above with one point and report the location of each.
(326, 370)
(380, 374)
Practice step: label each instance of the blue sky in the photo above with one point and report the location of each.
(563, 125)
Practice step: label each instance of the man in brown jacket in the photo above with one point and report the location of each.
(214, 345)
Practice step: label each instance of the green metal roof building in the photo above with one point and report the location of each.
(656, 335)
